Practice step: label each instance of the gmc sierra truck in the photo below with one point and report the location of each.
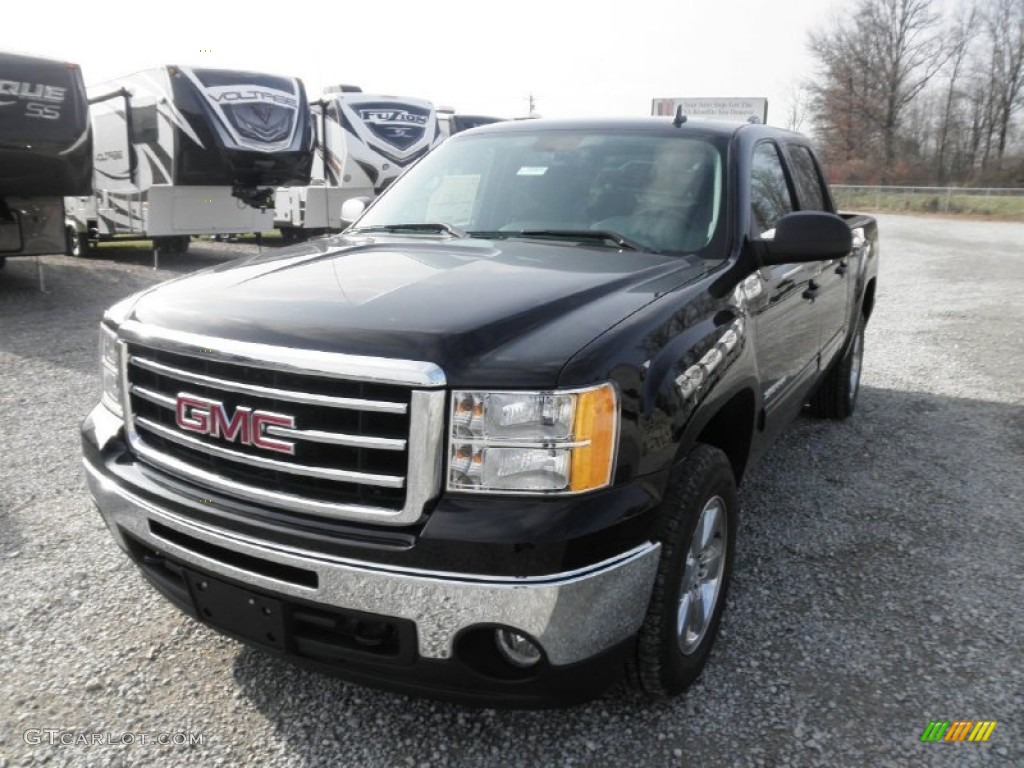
(485, 444)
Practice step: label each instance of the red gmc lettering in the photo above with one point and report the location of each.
(238, 426)
(244, 425)
(260, 419)
(192, 414)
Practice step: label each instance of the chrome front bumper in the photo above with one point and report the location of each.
(573, 615)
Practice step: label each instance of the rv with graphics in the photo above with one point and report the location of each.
(45, 151)
(452, 122)
(183, 151)
(364, 141)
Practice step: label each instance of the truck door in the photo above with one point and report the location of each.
(832, 279)
(788, 338)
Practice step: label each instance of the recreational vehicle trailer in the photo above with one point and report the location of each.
(364, 141)
(185, 151)
(45, 152)
(452, 122)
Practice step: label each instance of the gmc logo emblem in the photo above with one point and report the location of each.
(245, 426)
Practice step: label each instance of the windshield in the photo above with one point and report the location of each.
(638, 191)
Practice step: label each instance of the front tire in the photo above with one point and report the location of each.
(697, 531)
(836, 397)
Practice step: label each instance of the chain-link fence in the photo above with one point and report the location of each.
(1003, 202)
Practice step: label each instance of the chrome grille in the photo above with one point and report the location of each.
(364, 448)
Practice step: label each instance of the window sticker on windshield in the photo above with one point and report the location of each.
(532, 170)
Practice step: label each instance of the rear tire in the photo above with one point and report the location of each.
(836, 397)
(697, 531)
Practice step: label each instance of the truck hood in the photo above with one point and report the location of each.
(489, 313)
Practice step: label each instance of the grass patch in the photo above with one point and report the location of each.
(995, 206)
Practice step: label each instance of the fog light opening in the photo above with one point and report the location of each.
(517, 649)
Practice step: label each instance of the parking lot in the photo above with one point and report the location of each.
(878, 582)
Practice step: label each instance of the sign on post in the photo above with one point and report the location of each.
(735, 110)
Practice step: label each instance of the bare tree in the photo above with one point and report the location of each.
(903, 47)
(1005, 26)
(980, 104)
(958, 45)
(838, 98)
(899, 93)
(797, 106)
(873, 64)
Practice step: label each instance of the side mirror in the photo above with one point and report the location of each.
(144, 124)
(353, 208)
(808, 236)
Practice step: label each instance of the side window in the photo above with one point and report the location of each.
(806, 178)
(770, 198)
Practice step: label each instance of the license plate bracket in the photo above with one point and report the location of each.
(238, 611)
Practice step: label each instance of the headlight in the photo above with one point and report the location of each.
(533, 442)
(110, 369)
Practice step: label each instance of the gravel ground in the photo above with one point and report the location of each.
(878, 583)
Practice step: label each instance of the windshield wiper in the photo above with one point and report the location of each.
(434, 227)
(586, 235)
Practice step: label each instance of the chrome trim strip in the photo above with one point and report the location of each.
(122, 364)
(612, 595)
(155, 397)
(324, 473)
(426, 450)
(353, 404)
(790, 272)
(276, 499)
(379, 370)
(339, 438)
(309, 435)
(500, 443)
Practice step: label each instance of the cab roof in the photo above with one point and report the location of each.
(655, 125)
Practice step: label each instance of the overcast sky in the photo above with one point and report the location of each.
(586, 57)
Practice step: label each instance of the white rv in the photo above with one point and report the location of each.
(451, 122)
(182, 151)
(364, 142)
(45, 152)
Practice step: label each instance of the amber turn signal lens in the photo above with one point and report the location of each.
(596, 428)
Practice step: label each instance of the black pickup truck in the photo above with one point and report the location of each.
(485, 444)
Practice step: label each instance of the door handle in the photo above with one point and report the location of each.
(842, 268)
(812, 291)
